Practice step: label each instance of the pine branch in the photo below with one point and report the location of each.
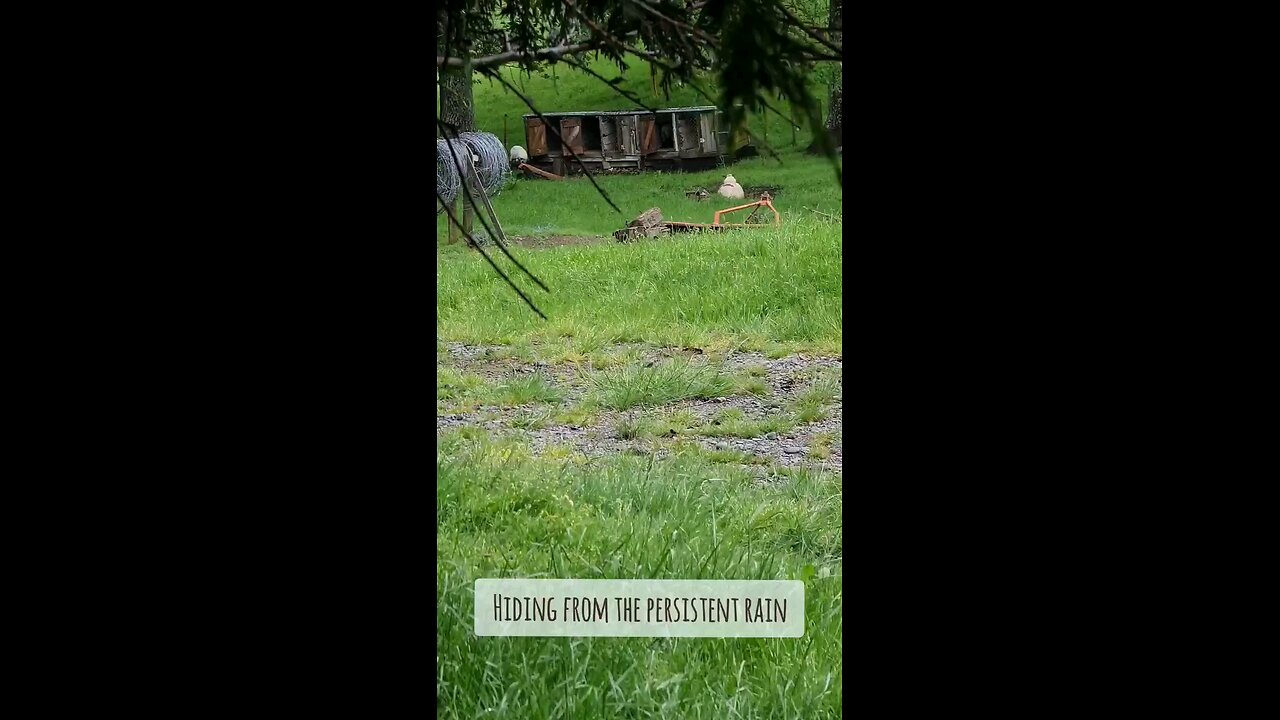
(529, 103)
(550, 54)
(484, 254)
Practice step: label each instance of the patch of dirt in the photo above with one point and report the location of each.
(461, 352)
(786, 379)
(554, 241)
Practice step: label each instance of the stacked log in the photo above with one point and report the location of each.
(647, 225)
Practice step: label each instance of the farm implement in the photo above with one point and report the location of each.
(651, 224)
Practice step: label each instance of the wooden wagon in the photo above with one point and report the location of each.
(692, 138)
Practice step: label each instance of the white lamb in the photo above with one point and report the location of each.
(731, 189)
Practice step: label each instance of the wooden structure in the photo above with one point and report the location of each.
(692, 138)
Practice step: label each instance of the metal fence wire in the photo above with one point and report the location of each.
(490, 160)
(448, 179)
(493, 166)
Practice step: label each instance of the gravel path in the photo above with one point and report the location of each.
(786, 379)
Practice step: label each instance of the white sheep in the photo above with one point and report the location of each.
(731, 189)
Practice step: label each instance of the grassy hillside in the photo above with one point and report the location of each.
(562, 88)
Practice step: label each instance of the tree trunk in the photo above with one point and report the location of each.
(457, 108)
(835, 113)
(835, 108)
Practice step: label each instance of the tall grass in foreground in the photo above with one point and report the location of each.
(501, 513)
(751, 289)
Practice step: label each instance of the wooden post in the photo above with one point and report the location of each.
(500, 235)
(468, 212)
(453, 229)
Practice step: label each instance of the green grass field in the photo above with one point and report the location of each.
(575, 208)
(501, 513)
(676, 416)
(754, 290)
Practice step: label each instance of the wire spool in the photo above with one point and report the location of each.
(448, 179)
(493, 165)
(487, 155)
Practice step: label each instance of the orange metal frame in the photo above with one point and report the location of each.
(762, 202)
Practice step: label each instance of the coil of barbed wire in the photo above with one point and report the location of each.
(448, 179)
(487, 155)
(492, 166)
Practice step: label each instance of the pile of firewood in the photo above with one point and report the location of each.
(647, 225)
